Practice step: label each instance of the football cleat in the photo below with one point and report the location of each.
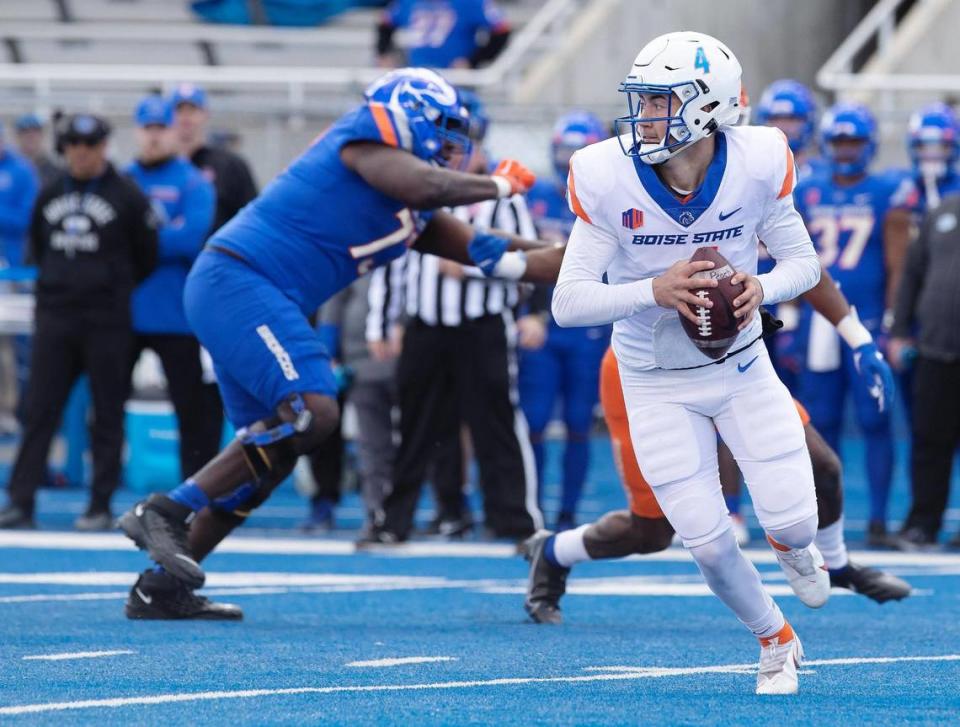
(159, 526)
(870, 582)
(806, 573)
(780, 660)
(161, 597)
(547, 582)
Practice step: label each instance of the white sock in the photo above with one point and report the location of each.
(831, 545)
(569, 548)
(737, 583)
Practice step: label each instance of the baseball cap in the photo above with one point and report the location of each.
(28, 121)
(189, 93)
(84, 129)
(153, 111)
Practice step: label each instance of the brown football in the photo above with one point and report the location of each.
(716, 329)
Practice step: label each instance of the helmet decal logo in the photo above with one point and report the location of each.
(700, 60)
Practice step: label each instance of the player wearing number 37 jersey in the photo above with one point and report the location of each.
(676, 178)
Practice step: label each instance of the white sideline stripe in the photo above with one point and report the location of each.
(400, 661)
(43, 540)
(806, 663)
(77, 655)
(633, 674)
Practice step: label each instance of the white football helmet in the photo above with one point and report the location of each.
(700, 77)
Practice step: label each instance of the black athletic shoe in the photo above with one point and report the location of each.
(878, 537)
(870, 582)
(547, 582)
(16, 518)
(161, 597)
(377, 539)
(915, 539)
(158, 525)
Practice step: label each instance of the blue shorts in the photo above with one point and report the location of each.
(263, 347)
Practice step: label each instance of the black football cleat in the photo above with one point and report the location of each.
(16, 518)
(870, 582)
(161, 597)
(159, 526)
(547, 582)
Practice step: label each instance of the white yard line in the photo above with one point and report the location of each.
(51, 540)
(77, 655)
(400, 661)
(630, 674)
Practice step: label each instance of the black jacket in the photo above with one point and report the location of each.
(929, 296)
(231, 178)
(93, 243)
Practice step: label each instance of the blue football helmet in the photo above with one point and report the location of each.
(571, 133)
(786, 99)
(933, 140)
(427, 115)
(847, 121)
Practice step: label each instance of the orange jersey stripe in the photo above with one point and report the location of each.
(382, 119)
(788, 178)
(574, 201)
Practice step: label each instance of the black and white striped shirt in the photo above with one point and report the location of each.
(413, 285)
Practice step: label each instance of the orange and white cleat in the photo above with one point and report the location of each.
(780, 660)
(806, 572)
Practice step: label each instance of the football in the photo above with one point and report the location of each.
(716, 327)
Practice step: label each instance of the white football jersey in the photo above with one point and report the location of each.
(630, 221)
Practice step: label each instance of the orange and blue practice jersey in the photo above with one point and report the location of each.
(846, 226)
(442, 31)
(319, 226)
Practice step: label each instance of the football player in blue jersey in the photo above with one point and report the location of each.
(363, 192)
(443, 33)
(567, 363)
(933, 144)
(861, 235)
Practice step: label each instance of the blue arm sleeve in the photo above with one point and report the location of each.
(329, 335)
(182, 239)
(15, 217)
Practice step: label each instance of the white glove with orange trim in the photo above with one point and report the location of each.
(511, 177)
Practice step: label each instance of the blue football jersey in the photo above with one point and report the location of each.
(846, 226)
(319, 226)
(547, 202)
(441, 31)
(912, 191)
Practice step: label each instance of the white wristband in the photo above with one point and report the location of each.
(504, 188)
(512, 265)
(853, 331)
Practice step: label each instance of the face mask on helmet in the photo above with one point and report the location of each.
(682, 88)
(848, 139)
(933, 143)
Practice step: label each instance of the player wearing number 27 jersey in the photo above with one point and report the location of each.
(679, 178)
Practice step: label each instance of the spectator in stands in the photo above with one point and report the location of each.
(93, 237)
(228, 172)
(442, 33)
(184, 202)
(32, 144)
(927, 300)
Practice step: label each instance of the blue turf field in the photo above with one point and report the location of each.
(644, 642)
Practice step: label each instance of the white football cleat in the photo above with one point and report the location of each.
(740, 531)
(779, 663)
(806, 572)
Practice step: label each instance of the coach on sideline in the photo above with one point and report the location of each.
(184, 203)
(928, 300)
(93, 238)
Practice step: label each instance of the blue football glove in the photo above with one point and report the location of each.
(875, 373)
(486, 250)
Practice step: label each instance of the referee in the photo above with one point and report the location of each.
(458, 364)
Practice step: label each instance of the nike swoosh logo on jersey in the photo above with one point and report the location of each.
(741, 367)
(729, 214)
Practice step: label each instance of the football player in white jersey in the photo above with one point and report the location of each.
(681, 176)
